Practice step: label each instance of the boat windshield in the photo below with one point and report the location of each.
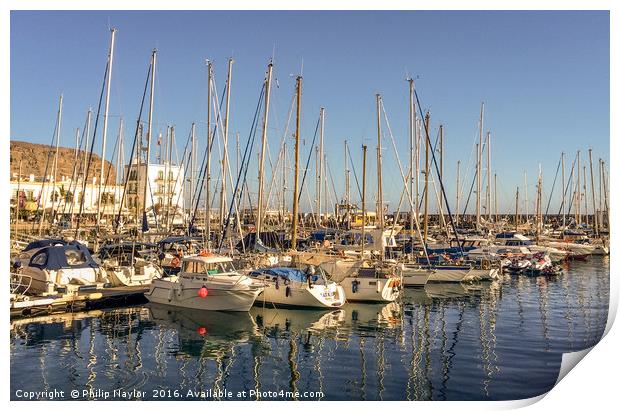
(208, 268)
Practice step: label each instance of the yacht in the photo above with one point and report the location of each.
(64, 267)
(206, 282)
(288, 286)
(365, 282)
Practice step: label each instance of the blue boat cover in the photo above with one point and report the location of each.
(56, 257)
(46, 242)
(292, 274)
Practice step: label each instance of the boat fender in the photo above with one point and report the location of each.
(203, 292)
(170, 294)
(378, 286)
(277, 284)
(354, 285)
(288, 291)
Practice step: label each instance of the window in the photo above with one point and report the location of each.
(160, 175)
(39, 260)
(170, 175)
(75, 257)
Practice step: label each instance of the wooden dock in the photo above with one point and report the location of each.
(26, 306)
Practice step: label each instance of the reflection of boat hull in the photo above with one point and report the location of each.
(387, 315)
(445, 290)
(483, 274)
(287, 319)
(448, 274)
(185, 294)
(196, 328)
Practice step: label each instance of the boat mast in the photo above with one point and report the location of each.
(593, 195)
(441, 171)
(495, 195)
(363, 239)
(43, 191)
(379, 171)
(479, 167)
(489, 176)
(527, 207)
(148, 141)
(261, 166)
(427, 120)
(225, 154)
(578, 189)
(517, 211)
(412, 143)
(296, 175)
(320, 165)
(585, 196)
(458, 189)
(192, 172)
(538, 204)
(563, 192)
(208, 179)
(105, 123)
(17, 197)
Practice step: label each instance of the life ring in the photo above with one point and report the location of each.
(175, 262)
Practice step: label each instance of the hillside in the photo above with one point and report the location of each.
(34, 158)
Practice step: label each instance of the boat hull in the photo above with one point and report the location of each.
(186, 296)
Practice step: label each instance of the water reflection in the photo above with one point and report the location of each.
(500, 340)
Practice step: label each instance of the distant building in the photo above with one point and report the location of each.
(165, 186)
(36, 193)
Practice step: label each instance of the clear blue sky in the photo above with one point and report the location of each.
(544, 77)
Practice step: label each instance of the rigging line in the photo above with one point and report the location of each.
(473, 181)
(443, 191)
(553, 186)
(568, 183)
(133, 147)
(359, 190)
(107, 177)
(73, 173)
(301, 188)
(245, 165)
(90, 154)
(206, 161)
(49, 154)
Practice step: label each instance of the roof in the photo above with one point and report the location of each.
(210, 259)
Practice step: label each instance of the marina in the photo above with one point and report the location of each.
(494, 340)
(272, 249)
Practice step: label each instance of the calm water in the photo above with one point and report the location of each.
(501, 340)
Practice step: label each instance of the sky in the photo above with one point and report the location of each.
(543, 76)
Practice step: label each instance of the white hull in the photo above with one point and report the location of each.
(300, 295)
(136, 275)
(371, 289)
(413, 277)
(185, 294)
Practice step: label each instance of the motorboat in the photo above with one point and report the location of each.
(288, 286)
(206, 282)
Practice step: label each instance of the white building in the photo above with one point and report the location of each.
(165, 186)
(63, 196)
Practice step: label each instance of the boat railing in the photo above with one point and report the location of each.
(20, 283)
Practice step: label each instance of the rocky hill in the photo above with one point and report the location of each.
(34, 158)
